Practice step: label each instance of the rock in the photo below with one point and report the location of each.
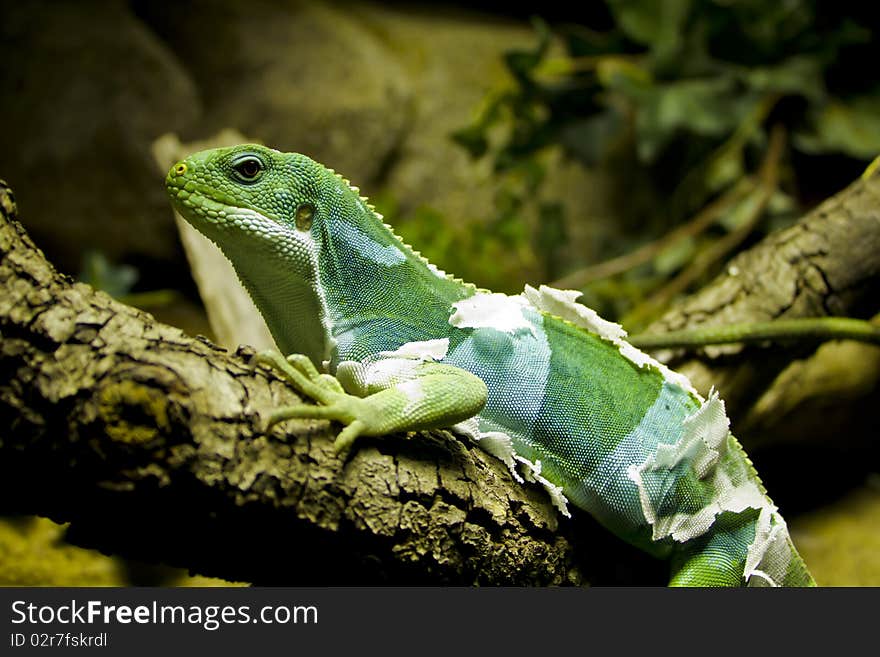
(300, 76)
(87, 88)
(372, 91)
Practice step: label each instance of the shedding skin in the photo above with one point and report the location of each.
(386, 342)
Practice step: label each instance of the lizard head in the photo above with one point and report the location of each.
(247, 193)
(260, 206)
(315, 256)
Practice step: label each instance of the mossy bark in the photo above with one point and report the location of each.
(827, 264)
(151, 444)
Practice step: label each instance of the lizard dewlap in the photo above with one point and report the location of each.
(537, 379)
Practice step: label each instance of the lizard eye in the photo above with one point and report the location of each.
(248, 168)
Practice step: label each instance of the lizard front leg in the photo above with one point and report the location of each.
(381, 396)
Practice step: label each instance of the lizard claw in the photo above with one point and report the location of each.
(347, 436)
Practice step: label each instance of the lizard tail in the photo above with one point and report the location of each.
(723, 557)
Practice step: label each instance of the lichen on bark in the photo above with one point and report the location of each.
(151, 444)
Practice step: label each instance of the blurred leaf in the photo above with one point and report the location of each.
(100, 273)
(592, 139)
(740, 212)
(781, 203)
(782, 211)
(853, 129)
(551, 235)
(658, 25)
(689, 90)
(799, 75)
(703, 106)
(521, 63)
(675, 256)
(724, 169)
(622, 73)
(473, 139)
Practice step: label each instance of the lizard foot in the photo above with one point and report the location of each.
(336, 405)
(399, 394)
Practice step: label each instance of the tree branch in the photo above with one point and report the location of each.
(150, 443)
(827, 264)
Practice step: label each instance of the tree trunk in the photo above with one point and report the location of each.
(826, 264)
(151, 444)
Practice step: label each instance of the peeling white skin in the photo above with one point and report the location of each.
(415, 393)
(769, 555)
(708, 427)
(422, 350)
(439, 273)
(500, 445)
(496, 443)
(365, 378)
(704, 443)
(388, 368)
(508, 314)
(563, 304)
(469, 428)
(533, 473)
(491, 310)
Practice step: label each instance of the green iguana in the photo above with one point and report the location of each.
(536, 379)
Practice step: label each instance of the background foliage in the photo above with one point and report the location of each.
(689, 92)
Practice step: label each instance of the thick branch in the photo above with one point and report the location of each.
(826, 264)
(150, 443)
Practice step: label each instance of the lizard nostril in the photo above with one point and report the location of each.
(180, 168)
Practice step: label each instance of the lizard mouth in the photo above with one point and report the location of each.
(198, 206)
(204, 206)
(228, 225)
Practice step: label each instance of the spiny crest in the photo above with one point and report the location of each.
(418, 254)
(632, 354)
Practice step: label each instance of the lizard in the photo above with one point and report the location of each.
(384, 341)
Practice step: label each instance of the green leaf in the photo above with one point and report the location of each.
(853, 129)
(473, 139)
(100, 273)
(617, 72)
(707, 107)
(592, 138)
(551, 235)
(521, 63)
(675, 256)
(800, 75)
(724, 169)
(658, 25)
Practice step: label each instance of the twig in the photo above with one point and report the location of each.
(813, 328)
(646, 252)
(768, 184)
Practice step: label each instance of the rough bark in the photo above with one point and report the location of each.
(150, 443)
(828, 263)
